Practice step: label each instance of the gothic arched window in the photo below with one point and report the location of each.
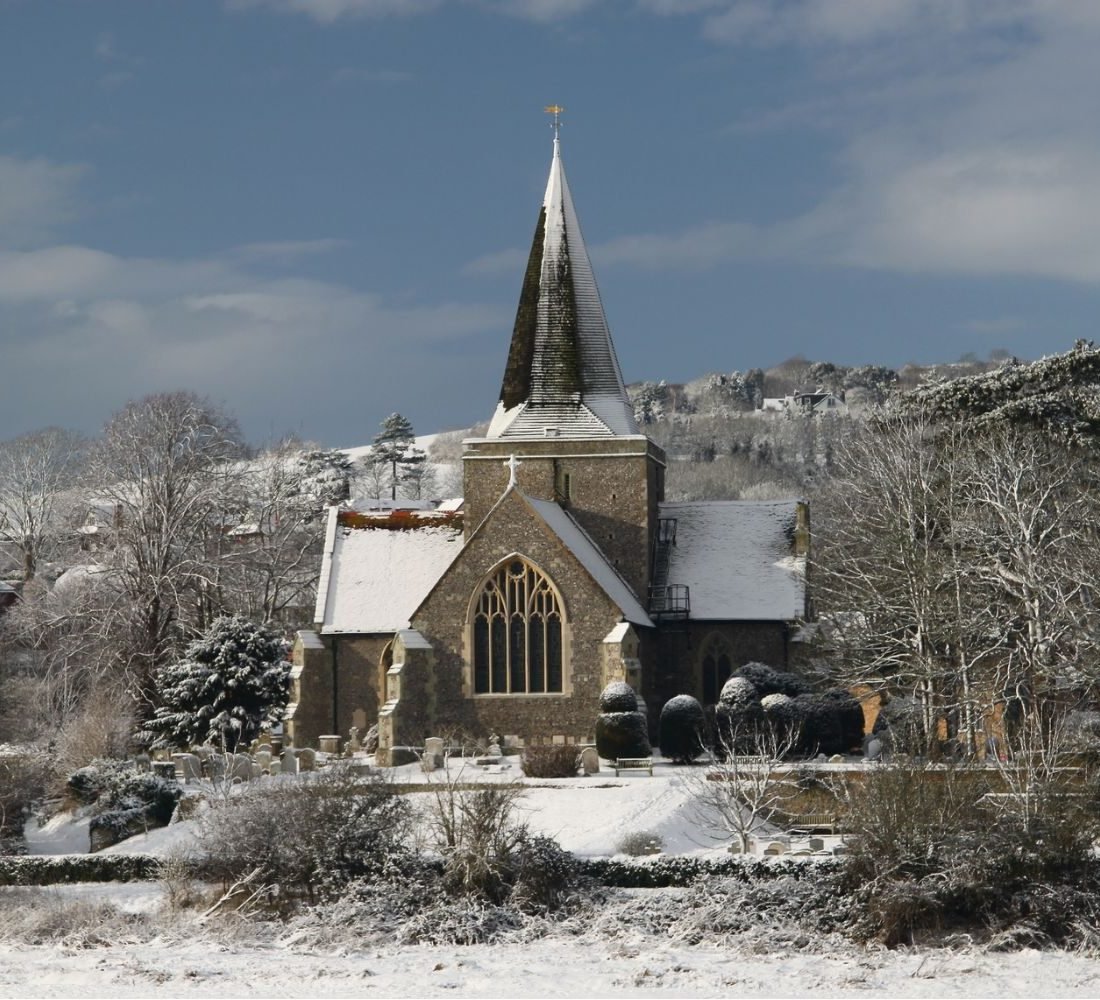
(717, 667)
(517, 633)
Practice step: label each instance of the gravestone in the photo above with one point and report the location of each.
(817, 844)
(143, 762)
(590, 761)
(290, 761)
(215, 765)
(275, 766)
(354, 746)
(307, 759)
(329, 744)
(191, 767)
(433, 753)
(240, 767)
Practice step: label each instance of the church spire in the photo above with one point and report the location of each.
(562, 376)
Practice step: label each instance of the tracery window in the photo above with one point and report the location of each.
(717, 667)
(517, 633)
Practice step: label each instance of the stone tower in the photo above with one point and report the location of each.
(563, 411)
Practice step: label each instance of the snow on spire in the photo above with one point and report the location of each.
(562, 377)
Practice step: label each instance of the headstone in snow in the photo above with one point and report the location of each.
(191, 767)
(240, 767)
(264, 758)
(590, 761)
(143, 762)
(354, 746)
(433, 753)
(307, 759)
(290, 761)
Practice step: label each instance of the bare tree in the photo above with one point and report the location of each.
(271, 563)
(166, 463)
(37, 472)
(739, 794)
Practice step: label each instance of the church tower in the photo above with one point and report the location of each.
(563, 411)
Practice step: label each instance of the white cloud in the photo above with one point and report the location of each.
(491, 265)
(330, 11)
(120, 327)
(967, 136)
(36, 195)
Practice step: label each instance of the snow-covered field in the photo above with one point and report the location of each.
(587, 816)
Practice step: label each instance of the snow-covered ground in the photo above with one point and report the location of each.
(586, 815)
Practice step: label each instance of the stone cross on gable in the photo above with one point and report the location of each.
(513, 465)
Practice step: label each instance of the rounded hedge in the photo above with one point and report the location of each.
(681, 729)
(622, 734)
(618, 696)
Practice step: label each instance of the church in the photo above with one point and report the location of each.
(562, 569)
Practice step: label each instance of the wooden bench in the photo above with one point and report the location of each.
(634, 764)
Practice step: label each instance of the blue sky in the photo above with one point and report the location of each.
(317, 211)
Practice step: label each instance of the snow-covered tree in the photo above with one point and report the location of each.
(37, 472)
(394, 449)
(324, 477)
(228, 685)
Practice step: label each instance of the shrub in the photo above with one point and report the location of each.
(767, 680)
(831, 722)
(308, 837)
(622, 734)
(551, 762)
(681, 729)
(640, 843)
(618, 696)
(24, 778)
(738, 717)
(126, 801)
(621, 730)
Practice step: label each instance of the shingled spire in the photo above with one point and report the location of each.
(562, 378)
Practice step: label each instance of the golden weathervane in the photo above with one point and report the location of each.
(555, 110)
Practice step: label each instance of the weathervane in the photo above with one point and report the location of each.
(555, 110)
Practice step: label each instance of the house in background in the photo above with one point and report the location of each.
(564, 569)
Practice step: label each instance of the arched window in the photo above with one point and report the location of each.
(717, 667)
(517, 633)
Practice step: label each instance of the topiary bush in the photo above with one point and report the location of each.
(831, 722)
(618, 696)
(681, 729)
(768, 680)
(621, 730)
(738, 717)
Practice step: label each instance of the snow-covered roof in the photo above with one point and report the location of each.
(562, 372)
(574, 537)
(737, 558)
(375, 574)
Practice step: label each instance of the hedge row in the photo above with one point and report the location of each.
(653, 873)
(682, 870)
(63, 868)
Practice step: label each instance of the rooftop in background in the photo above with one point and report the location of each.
(738, 558)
